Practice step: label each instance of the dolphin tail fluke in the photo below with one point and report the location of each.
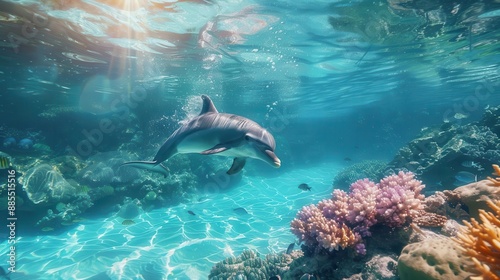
(152, 166)
(238, 164)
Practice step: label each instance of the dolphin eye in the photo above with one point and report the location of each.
(247, 138)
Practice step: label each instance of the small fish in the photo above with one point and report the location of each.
(465, 177)
(240, 211)
(471, 164)
(347, 159)
(191, 213)
(290, 248)
(128, 222)
(4, 163)
(48, 229)
(304, 187)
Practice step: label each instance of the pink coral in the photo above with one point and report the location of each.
(399, 199)
(337, 207)
(341, 221)
(362, 203)
(312, 227)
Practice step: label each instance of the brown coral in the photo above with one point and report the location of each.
(495, 181)
(481, 242)
(427, 219)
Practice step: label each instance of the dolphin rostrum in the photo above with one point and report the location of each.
(214, 133)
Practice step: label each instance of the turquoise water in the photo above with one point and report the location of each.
(172, 244)
(335, 83)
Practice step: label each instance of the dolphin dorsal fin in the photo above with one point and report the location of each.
(208, 105)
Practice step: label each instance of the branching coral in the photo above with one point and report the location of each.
(481, 242)
(342, 221)
(399, 198)
(362, 207)
(495, 181)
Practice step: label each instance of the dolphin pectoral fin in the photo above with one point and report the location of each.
(238, 164)
(216, 149)
(219, 148)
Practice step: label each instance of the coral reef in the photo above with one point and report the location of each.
(370, 169)
(380, 261)
(45, 185)
(458, 252)
(439, 153)
(250, 266)
(481, 242)
(57, 190)
(66, 213)
(495, 181)
(342, 221)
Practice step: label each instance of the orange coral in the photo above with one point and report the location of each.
(495, 181)
(481, 242)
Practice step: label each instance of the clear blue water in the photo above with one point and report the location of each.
(329, 79)
(172, 243)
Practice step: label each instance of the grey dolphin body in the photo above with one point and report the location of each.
(214, 133)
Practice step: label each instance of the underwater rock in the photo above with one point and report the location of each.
(69, 166)
(101, 192)
(491, 119)
(475, 195)
(98, 174)
(433, 258)
(150, 196)
(104, 168)
(25, 144)
(129, 210)
(9, 142)
(437, 154)
(44, 184)
(380, 267)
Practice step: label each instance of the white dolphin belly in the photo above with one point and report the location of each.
(207, 139)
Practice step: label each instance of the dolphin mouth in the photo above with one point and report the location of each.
(276, 162)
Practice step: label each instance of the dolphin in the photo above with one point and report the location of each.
(214, 133)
